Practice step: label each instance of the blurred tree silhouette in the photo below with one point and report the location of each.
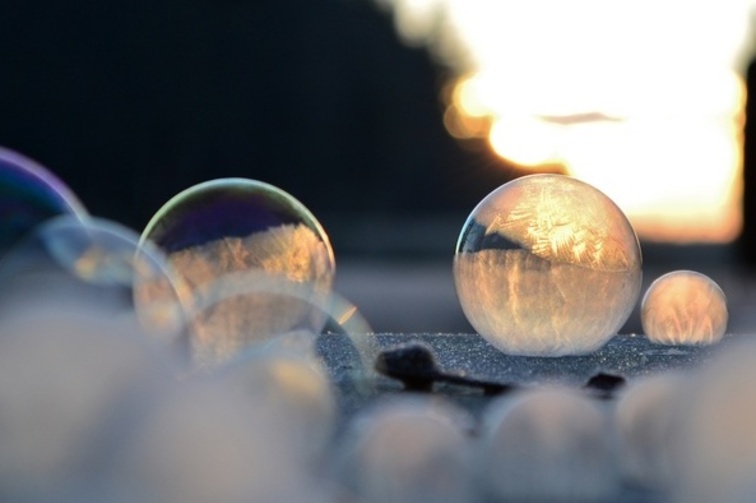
(131, 101)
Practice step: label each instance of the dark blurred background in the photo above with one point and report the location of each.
(132, 101)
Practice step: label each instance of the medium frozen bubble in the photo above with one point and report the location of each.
(646, 418)
(547, 265)
(408, 450)
(547, 444)
(218, 231)
(684, 307)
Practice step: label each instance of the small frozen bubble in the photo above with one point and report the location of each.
(29, 195)
(94, 263)
(547, 265)
(68, 380)
(227, 228)
(684, 307)
(645, 421)
(547, 445)
(714, 452)
(410, 450)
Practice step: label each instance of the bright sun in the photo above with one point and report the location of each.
(642, 99)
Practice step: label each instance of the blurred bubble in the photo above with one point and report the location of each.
(349, 339)
(645, 420)
(94, 264)
(547, 445)
(29, 195)
(220, 231)
(714, 453)
(684, 307)
(408, 450)
(547, 265)
(68, 380)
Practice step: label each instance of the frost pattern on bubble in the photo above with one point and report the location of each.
(684, 307)
(547, 265)
(222, 233)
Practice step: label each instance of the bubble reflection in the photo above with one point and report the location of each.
(29, 195)
(94, 264)
(342, 320)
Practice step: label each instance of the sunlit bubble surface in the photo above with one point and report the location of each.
(222, 227)
(95, 264)
(408, 450)
(29, 195)
(547, 265)
(547, 445)
(684, 307)
(646, 420)
(627, 96)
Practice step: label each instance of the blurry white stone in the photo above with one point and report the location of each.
(407, 451)
(547, 445)
(715, 456)
(684, 307)
(645, 420)
(205, 443)
(67, 378)
(292, 389)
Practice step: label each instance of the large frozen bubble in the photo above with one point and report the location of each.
(547, 265)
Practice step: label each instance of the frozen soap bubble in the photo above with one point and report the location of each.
(94, 264)
(223, 233)
(29, 195)
(547, 265)
(548, 444)
(684, 307)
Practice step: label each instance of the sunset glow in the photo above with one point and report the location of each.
(644, 100)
